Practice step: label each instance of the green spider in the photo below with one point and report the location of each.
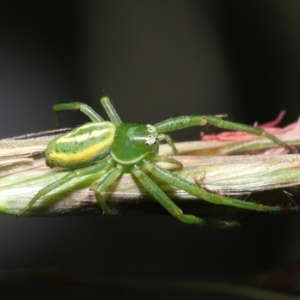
(132, 148)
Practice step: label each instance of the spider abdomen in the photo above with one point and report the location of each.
(81, 146)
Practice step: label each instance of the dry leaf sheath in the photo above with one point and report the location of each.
(23, 173)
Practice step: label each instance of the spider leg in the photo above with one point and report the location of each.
(110, 110)
(75, 173)
(168, 160)
(219, 122)
(105, 182)
(155, 191)
(87, 110)
(199, 192)
(178, 123)
(169, 141)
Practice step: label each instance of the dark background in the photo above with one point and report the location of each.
(155, 59)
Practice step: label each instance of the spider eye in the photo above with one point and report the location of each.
(151, 139)
(151, 128)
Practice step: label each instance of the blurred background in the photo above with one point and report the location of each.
(155, 59)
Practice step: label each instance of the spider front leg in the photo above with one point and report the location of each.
(156, 192)
(168, 139)
(178, 123)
